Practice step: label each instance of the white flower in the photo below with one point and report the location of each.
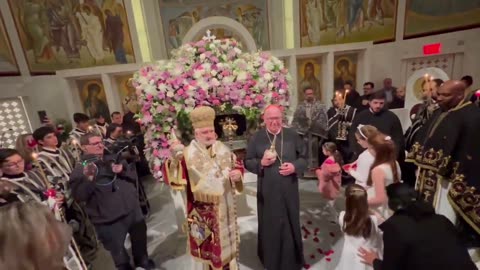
(269, 65)
(242, 76)
(177, 71)
(203, 84)
(198, 73)
(237, 50)
(170, 94)
(268, 97)
(157, 162)
(150, 89)
(270, 85)
(227, 79)
(202, 56)
(213, 72)
(207, 67)
(162, 87)
(215, 82)
(282, 91)
(267, 76)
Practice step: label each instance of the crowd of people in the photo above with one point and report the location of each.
(411, 198)
(80, 197)
(366, 150)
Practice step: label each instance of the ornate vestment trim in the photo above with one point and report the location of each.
(175, 178)
(466, 201)
(206, 168)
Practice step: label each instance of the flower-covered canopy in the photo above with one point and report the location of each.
(209, 72)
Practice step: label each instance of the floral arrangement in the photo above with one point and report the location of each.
(209, 72)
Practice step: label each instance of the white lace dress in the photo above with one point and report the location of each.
(382, 211)
(349, 259)
(364, 163)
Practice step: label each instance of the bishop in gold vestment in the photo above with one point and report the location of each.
(208, 172)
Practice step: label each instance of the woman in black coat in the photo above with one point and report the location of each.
(417, 238)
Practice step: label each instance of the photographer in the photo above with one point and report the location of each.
(102, 183)
(117, 142)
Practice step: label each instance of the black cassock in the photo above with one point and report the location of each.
(278, 203)
(449, 148)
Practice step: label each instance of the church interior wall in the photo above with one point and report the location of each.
(58, 93)
(388, 59)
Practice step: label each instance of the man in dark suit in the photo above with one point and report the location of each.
(417, 238)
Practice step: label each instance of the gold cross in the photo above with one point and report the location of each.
(229, 126)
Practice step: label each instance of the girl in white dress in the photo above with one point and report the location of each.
(385, 171)
(360, 228)
(360, 169)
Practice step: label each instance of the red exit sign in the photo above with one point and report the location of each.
(430, 49)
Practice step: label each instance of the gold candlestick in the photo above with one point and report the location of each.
(47, 183)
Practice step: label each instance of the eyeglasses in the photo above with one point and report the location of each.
(15, 164)
(96, 144)
(273, 119)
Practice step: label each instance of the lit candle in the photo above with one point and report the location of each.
(345, 97)
(42, 172)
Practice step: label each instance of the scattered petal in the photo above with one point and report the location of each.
(316, 239)
(306, 266)
(309, 222)
(312, 256)
(328, 259)
(320, 250)
(332, 234)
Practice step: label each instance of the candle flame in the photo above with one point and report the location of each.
(34, 155)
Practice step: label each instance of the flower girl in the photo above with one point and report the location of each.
(360, 229)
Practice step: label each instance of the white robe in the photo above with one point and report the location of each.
(92, 33)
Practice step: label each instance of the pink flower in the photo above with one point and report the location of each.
(165, 144)
(171, 108)
(201, 50)
(216, 102)
(180, 92)
(164, 153)
(147, 118)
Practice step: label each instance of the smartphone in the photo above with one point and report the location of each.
(42, 115)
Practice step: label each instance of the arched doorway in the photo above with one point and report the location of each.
(237, 30)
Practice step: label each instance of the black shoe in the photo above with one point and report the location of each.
(148, 265)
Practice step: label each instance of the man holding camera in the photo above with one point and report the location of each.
(102, 183)
(116, 141)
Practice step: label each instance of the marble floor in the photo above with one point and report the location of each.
(321, 233)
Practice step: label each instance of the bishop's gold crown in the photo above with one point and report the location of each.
(202, 117)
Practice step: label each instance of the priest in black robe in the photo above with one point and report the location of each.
(340, 118)
(385, 121)
(277, 155)
(311, 122)
(448, 159)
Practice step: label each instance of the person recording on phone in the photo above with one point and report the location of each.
(102, 182)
